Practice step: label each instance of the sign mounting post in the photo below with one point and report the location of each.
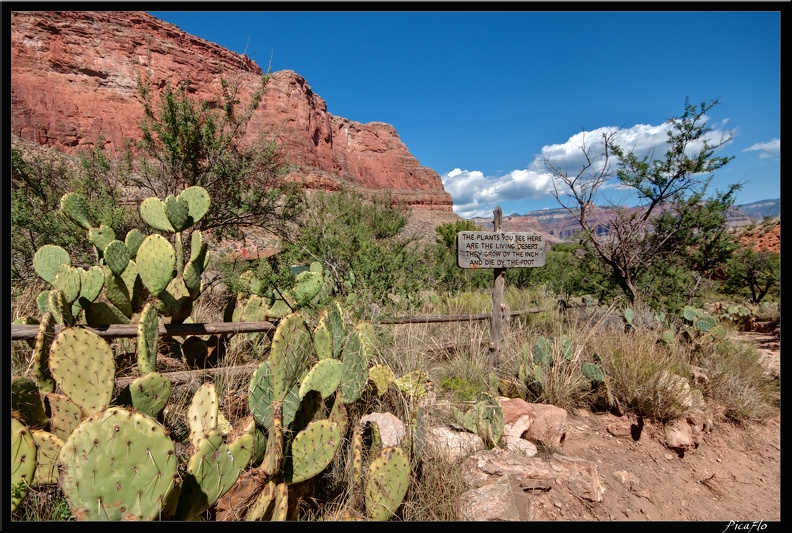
(499, 250)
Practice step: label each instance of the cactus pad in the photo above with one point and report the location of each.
(49, 446)
(68, 280)
(23, 461)
(101, 236)
(323, 339)
(82, 365)
(543, 351)
(337, 326)
(102, 314)
(386, 483)
(91, 283)
(134, 238)
(148, 335)
(202, 413)
(198, 200)
(48, 260)
(156, 259)
(60, 308)
(177, 212)
(593, 372)
(65, 415)
(116, 256)
(26, 403)
(354, 360)
(44, 337)
(74, 206)
(307, 285)
(150, 393)
(211, 472)
(117, 292)
(118, 464)
(153, 212)
(313, 449)
(290, 354)
(382, 377)
(260, 398)
(324, 377)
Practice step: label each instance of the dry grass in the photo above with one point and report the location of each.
(739, 383)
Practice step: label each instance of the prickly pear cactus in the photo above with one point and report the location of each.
(134, 238)
(324, 377)
(118, 464)
(290, 354)
(91, 283)
(65, 415)
(100, 237)
(148, 336)
(312, 450)
(354, 361)
(47, 262)
(202, 413)
(74, 206)
(260, 398)
(49, 446)
(336, 324)
(60, 308)
(490, 420)
(26, 403)
(156, 260)
(386, 484)
(212, 471)
(23, 461)
(593, 372)
(413, 383)
(382, 377)
(565, 343)
(543, 351)
(83, 367)
(150, 393)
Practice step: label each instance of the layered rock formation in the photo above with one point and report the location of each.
(74, 81)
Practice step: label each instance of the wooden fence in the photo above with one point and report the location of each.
(118, 331)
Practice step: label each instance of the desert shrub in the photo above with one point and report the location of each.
(753, 274)
(445, 273)
(362, 243)
(739, 382)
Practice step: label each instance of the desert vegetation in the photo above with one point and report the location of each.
(133, 238)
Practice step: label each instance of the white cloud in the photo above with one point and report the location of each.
(475, 194)
(771, 148)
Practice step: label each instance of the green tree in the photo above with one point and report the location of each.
(568, 272)
(753, 273)
(361, 241)
(674, 219)
(186, 142)
(446, 274)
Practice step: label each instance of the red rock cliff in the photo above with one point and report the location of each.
(73, 77)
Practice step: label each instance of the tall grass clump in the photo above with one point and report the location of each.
(645, 376)
(739, 383)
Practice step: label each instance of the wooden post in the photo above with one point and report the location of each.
(496, 324)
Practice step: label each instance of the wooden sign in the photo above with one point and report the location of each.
(487, 249)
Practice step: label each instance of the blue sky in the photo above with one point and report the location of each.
(483, 97)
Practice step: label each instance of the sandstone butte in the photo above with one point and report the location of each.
(73, 77)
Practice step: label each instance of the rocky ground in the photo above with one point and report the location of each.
(734, 474)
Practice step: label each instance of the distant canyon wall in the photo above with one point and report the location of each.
(73, 78)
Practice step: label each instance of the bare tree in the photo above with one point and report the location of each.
(674, 219)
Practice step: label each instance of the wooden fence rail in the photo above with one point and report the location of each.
(117, 331)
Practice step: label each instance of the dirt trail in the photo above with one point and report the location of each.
(735, 474)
